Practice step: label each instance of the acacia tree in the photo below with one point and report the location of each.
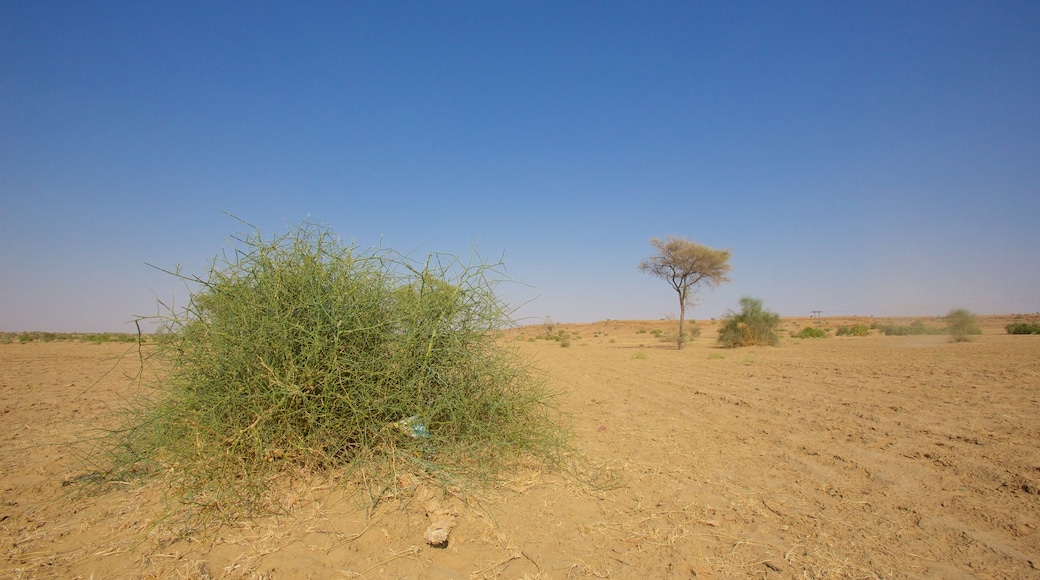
(686, 266)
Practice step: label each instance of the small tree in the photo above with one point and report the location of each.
(686, 265)
(753, 325)
(961, 325)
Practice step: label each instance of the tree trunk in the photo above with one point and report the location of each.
(682, 318)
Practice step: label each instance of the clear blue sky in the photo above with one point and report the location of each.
(857, 157)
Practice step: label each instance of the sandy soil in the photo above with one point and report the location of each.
(876, 457)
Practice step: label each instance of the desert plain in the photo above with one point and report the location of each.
(844, 457)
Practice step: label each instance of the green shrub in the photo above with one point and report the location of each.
(301, 353)
(753, 325)
(854, 330)
(1023, 328)
(810, 332)
(961, 325)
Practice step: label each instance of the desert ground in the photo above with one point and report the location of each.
(844, 457)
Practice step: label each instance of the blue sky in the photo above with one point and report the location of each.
(874, 158)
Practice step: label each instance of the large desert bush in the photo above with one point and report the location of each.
(753, 325)
(961, 325)
(302, 352)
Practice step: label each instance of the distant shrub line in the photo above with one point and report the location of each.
(915, 328)
(96, 338)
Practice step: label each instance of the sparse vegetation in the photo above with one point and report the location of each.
(691, 333)
(961, 325)
(558, 336)
(753, 325)
(301, 353)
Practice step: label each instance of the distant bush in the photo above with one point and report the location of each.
(753, 325)
(916, 328)
(1023, 328)
(549, 326)
(961, 325)
(855, 330)
(810, 332)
